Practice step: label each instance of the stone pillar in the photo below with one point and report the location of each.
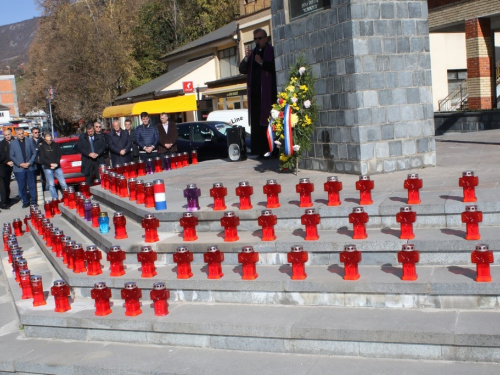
(371, 59)
(480, 51)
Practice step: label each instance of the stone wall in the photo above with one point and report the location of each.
(466, 121)
(371, 59)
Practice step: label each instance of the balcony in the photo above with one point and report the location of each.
(253, 6)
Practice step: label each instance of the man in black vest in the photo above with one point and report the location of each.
(92, 147)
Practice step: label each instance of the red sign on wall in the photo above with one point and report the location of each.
(188, 86)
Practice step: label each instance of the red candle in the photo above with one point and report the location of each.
(183, 257)
(214, 257)
(101, 294)
(248, 259)
(61, 293)
(333, 186)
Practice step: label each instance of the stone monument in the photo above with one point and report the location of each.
(372, 64)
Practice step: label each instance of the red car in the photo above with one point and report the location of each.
(71, 160)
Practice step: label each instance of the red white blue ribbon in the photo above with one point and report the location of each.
(287, 130)
(270, 135)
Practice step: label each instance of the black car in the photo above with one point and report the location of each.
(208, 138)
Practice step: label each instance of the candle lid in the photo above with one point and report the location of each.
(184, 153)
(139, 182)
(59, 283)
(166, 157)
(148, 184)
(406, 209)
(191, 186)
(408, 247)
(212, 249)
(482, 247)
(71, 243)
(21, 262)
(87, 201)
(65, 238)
(132, 163)
(267, 213)
(146, 249)
(130, 285)
(272, 182)
(244, 183)
(95, 205)
(332, 179)
(24, 273)
(92, 248)
(115, 248)
(100, 285)
(247, 249)
(194, 152)
(159, 285)
(118, 214)
(103, 214)
(187, 214)
(35, 278)
(158, 182)
(297, 248)
(16, 219)
(182, 249)
(229, 214)
(413, 176)
(357, 210)
(83, 183)
(471, 208)
(304, 180)
(157, 158)
(122, 177)
(364, 178)
(77, 246)
(149, 159)
(149, 216)
(118, 166)
(58, 233)
(350, 247)
(132, 179)
(218, 185)
(468, 174)
(310, 211)
(46, 202)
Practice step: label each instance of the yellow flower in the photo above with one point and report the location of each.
(307, 120)
(295, 106)
(304, 88)
(284, 95)
(293, 80)
(282, 136)
(295, 119)
(284, 158)
(290, 88)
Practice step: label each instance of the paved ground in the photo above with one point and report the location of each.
(455, 153)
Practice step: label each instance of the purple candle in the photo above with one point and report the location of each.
(87, 209)
(166, 163)
(192, 193)
(150, 167)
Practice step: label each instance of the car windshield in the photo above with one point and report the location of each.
(68, 148)
(222, 127)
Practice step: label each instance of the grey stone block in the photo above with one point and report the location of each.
(377, 81)
(391, 80)
(409, 147)
(374, 46)
(372, 10)
(387, 132)
(395, 148)
(382, 150)
(383, 63)
(413, 95)
(368, 63)
(403, 45)
(379, 116)
(387, 10)
(393, 113)
(414, 10)
(397, 62)
(405, 79)
(417, 44)
(385, 97)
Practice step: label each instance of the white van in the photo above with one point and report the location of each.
(231, 116)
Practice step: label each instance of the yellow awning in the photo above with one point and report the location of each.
(222, 90)
(183, 103)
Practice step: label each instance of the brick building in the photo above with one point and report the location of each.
(8, 94)
(475, 22)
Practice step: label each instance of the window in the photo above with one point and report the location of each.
(202, 133)
(1, 114)
(68, 148)
(183, 132)
(228, 62)
(455, 78)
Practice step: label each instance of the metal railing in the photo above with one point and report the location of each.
(456, 100)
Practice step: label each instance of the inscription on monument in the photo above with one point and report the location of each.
(301, 8)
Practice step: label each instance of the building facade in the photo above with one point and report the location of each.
(8, 94)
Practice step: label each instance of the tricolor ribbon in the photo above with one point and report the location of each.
(270, 135)
(287, 127)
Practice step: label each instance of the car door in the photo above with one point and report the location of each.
(184, 138)
(208, 142)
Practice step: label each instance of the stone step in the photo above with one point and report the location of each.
(441, 209)
(410, 334)
(436, 287)
(438, 246)
(61, 357)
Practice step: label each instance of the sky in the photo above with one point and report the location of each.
(12, 11)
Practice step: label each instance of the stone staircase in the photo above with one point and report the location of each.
(443, 316)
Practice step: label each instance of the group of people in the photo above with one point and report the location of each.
(125, 145)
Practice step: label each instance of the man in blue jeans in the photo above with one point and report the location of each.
(50, 159)
(23, 153)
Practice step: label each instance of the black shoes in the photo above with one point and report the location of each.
(26, 205)
(4, 207)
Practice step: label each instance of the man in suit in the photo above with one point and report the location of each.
(5, 169)
(98, 130)
(167, 130)
(119, 144)
(23, 153)
(92, 147)
(135, 148)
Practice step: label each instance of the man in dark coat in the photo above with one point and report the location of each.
(5, 169)
(119, 144)
(262, 92)
(135, 149)
(167, 129)
(92, 147)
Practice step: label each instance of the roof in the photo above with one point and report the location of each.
(158, 84)
(4, 108)
(224, 32)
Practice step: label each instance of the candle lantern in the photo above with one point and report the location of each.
(115, 257)
(80, 198)
(351, 257)
(159, 195)
(103, 222)
(84, 189)
(406, 217)
(17, 224)
(15, 268)
(105, 183)
(55, 206)
(26, 219)
(78, 258)
(87, 209)
(63, 254)
(147, 258)
(126, 170)
(117, 184)
(120, 222)
(408, 256)
(150, 166)
(141, 168)
(358, 218)
(37, 290)
(311, 220)
(183, 257)
(71, 198)
(69, 254)
(305, 189)
(158, 165)
(65, 193)
(365, 187)
(57, 243)
(166, 163)
(149, 195)
(93, 257)
(214, 257)
(230, 224)
(47, 206)
(22, 264)
(248, 259)
(132, 294)
(61, 293)
(244, 191)
(333, 186)
(298, 257)
(272, 190)
(132, 189)
(123, 187)
(27, 292)
(482, 256)
(468, 182)
(14, 250)
(194, 157)
(189, 223)
(132, 167)
(173, 161)
(102, 169)
(101, 294)
(112, 182)
(413, 184)
(472, 217)
(119, 169)
(185, 159)
(159, 295)
(95, 210)
(139, 192)
(150, 224)
(267, 221)
(192, 193)
(218, 192)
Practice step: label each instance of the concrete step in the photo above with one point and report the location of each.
(442, 209)
(436, 287)
(438, 246)
(60, 357)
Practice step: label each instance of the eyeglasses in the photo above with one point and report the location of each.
(259, 38)
(97, 127)
(35, 132)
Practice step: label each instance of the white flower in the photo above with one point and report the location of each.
(277, 143)
(307, 103)
(302, 70)
(294, 99)
(274, 113)
(296, 147)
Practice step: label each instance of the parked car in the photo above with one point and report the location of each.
(71, 160)
(208, 138)
(231, 116)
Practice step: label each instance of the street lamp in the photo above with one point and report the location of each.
(50, 96)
